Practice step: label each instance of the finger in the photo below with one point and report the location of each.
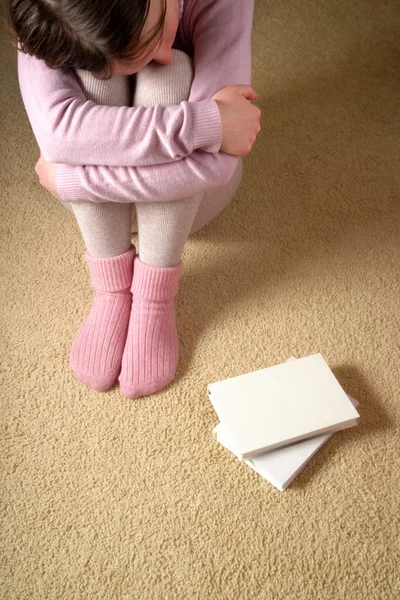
(250, 94)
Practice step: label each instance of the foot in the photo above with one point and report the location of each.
(151, 351)
(97, 349)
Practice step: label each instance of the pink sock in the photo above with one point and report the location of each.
(97, 349)
(152, 347)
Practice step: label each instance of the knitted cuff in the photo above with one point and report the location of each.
(155, 283)
(207, 126)
(111, 274)
(68, 183)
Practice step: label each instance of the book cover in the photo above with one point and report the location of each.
(280, 405)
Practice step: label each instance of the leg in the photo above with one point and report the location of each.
(163, 227)
(105, 227)
(151, 351)
(97, 349)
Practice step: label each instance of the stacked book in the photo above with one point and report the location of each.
(277, 418)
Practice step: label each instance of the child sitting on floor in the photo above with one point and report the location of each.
(168, 140)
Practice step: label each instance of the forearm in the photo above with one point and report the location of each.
(70, 129)
(187, 177)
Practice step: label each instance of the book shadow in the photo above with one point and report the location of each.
(373, 417)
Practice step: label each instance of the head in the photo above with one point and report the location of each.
(105, 37)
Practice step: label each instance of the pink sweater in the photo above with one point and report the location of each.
(138, 154)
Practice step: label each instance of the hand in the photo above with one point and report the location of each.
(240, 118)
(46, 172)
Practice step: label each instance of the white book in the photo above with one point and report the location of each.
(280, 405)
(279, 467)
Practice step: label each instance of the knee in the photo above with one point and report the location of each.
(115, 91)
(164, 84)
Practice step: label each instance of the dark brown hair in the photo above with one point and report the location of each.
(82, 34)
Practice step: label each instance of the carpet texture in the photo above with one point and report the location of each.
(108, 498)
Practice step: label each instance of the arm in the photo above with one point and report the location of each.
(189, 176)
(221, 35)
(197, 172)
(71, 129)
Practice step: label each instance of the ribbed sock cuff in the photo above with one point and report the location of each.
(111, 274)
(155, 283)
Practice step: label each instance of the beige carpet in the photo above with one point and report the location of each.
(106, 498)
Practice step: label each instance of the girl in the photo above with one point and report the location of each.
(168, 140)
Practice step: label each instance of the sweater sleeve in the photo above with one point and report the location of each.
(220, 31)
(221, 35)
(191, 175)
(70, 129)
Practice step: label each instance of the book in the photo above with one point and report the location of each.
(277, 406)
(279, 467)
